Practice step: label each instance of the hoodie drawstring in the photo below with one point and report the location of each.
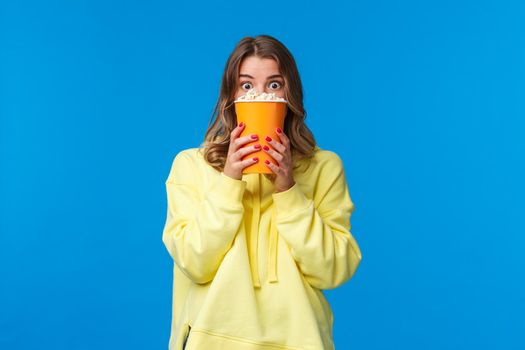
(254, 239)
(272, 250)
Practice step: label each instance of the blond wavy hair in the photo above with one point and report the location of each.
(223, 120)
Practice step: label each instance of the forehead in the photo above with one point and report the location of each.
(255, 65)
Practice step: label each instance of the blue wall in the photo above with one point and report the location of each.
(424, 101)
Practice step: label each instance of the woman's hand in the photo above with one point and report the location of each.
(234, 163)
(282, 154)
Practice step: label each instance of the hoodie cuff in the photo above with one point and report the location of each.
(290, 201)
(228, 190)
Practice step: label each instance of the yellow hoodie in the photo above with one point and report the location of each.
(250, 263)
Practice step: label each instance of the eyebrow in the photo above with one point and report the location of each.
(270, 77)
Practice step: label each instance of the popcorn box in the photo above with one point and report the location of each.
(261, 117)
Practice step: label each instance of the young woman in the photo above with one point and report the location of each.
(252, 253)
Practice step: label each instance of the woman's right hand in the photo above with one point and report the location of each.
(234, 163)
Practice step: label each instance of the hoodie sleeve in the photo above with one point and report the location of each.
(200, 228)
(318, 230)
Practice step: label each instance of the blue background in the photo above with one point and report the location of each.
(424, 101)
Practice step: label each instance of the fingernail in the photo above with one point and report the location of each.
(266, 148)
(279, 130)
(254, 136)
(268, 138)
(241, 124)
(255, 158)
(267, 161)
(257, 146)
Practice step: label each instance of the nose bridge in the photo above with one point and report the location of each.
(260, 87)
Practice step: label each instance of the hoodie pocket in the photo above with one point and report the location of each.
(182, 337)
(186, 337)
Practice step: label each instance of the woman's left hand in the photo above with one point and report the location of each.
(282, 155)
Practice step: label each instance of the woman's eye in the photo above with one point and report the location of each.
(243, 85)
(274, 83)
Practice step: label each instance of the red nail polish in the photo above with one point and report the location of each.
(279, 130)
(255, 158)
(254, 136)
(268, 138)
(266, 148)
(267, 161)
(257, 146)
(241, 124)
